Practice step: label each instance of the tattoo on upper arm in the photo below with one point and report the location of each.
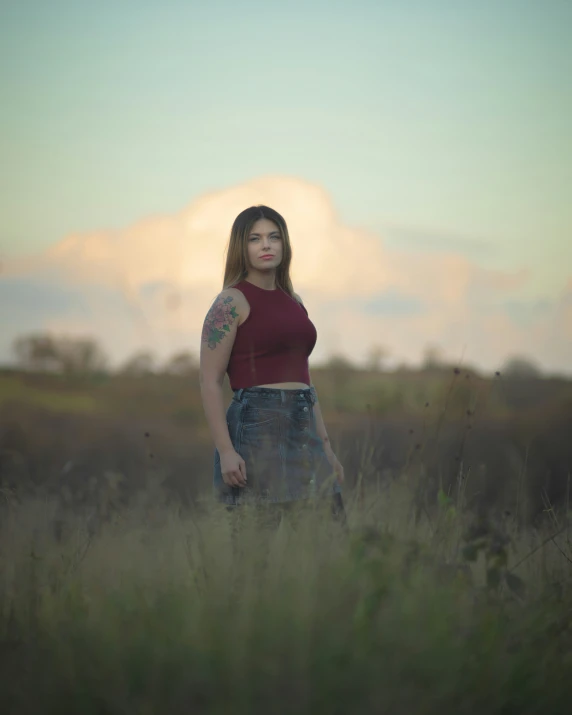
(218, 321)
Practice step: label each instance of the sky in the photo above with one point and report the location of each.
(434, 132)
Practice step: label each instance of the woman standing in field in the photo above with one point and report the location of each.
(271, 447)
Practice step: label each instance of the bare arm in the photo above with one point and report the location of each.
(213, 405)
(322, 433)
(321, 430)
(219, 333)
(320, 426)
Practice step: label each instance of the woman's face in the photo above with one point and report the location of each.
(264, 238)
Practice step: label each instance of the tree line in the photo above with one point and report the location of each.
(68, 356)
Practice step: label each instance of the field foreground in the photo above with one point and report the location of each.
(160, 611)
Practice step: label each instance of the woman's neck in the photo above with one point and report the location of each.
(264, 281)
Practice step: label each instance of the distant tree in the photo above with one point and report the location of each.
(138, 365)
(520, 367)
(433, 357)
(183, 363)
(60, 354)
(341, 370)
(376, 357)
(340, 362)
(80, 356)
(35, 352)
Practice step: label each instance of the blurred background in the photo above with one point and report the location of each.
(420, 153)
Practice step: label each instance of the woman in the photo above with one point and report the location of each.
(271, 446)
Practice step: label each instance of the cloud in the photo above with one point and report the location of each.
(151, 284)
(431, 240)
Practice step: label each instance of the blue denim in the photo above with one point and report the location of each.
(274, 431)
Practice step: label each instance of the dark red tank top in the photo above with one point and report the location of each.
(274, 342)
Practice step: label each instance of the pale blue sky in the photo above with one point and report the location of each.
(442, 123)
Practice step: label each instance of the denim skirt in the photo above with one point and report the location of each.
(274, 431)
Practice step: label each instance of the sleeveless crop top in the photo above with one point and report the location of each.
(274, 342)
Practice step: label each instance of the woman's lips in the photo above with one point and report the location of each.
(267, 258)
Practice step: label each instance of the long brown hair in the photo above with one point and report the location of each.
(236, 266)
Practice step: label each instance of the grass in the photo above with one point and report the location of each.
(158, 610)
(155, 608)
(15, 390)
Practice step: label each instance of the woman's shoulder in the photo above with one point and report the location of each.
(238, 289)
(234, 295)
(237, 300)
(235, 292)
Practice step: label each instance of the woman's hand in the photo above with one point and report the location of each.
(233, 469)
(334, 462)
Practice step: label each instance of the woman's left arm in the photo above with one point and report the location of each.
(323, 435)
(321, 427)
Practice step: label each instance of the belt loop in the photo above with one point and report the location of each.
(239, 393)
(282, 396)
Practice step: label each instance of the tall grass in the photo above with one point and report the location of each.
(160, 610)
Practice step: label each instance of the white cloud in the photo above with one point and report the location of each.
(169, 269)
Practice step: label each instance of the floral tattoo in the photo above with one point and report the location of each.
(218, 321)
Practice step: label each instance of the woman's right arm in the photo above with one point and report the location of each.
(218, 336)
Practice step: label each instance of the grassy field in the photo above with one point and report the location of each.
(161, 610)
(123, 589)
(78, 436)
(15, 389)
